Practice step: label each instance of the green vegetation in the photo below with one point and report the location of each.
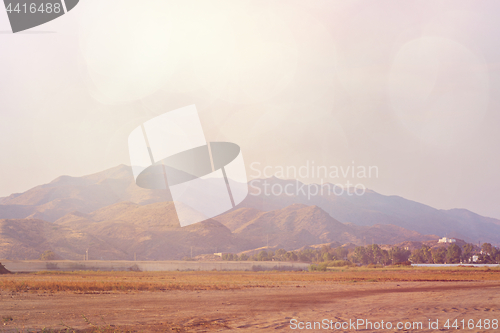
(48, 255)
(329, 265)
(308, 255)
(375, 255)
(454, 254)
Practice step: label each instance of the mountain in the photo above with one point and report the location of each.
(299, 225)
(373, 208)
(151, 231)
(118, 232)
(107, 213)
(293, 227)
(84, 194)
(28, 238)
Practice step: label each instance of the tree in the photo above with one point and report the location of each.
(453, 254)
(467, 252)
(243, 257)
(497, 257)
(48, 255)
(326, 257)
(360, 255)
(262, 256)
(439, 255)
(399, 255)
(376, 254)
(303, 256)
(489, 254)
(426, 253)
(340, 253)
(416, 257)
(487, 248)
(422, 255)
(325, 249)
(293, 256)
(280, 254)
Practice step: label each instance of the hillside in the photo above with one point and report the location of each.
(373, 208)
(151, 231)
(109, 214)
(299, 225)
(28, 238)
(84, 194)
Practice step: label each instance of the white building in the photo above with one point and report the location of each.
(447, 240)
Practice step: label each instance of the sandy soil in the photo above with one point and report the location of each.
(256, 309)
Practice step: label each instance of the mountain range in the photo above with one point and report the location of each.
(113, 218)
(373, 208)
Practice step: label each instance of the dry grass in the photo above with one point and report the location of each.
(88, 282)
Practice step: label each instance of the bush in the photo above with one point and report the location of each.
(48, 255)
(340, 263)
(320, 267)
(404, 263)
(259, 268)
(324, 265)
(134, 268)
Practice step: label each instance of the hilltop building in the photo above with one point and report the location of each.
(447, 240)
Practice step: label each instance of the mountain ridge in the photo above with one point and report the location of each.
(110, 209)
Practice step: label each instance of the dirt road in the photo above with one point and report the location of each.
(255, 309)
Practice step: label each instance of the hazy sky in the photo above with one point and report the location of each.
(410, 87)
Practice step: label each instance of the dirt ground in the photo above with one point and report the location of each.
(268, 309)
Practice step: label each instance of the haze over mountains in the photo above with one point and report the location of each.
(373, 208)
(115, 219)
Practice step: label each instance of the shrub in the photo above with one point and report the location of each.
(48, 255)
(404, 263)
(319, 267)
(134, 268)
(340, 263)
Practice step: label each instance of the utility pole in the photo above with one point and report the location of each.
(191, 252)
(87, 255)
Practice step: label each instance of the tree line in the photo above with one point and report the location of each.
(374, 254)
(326, 253)
(454, 254)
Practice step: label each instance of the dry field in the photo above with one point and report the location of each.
(88, 301)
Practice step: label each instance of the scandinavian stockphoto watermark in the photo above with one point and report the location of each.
(169, 152)
(327, 175)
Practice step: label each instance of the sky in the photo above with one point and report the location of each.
(412, 88)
